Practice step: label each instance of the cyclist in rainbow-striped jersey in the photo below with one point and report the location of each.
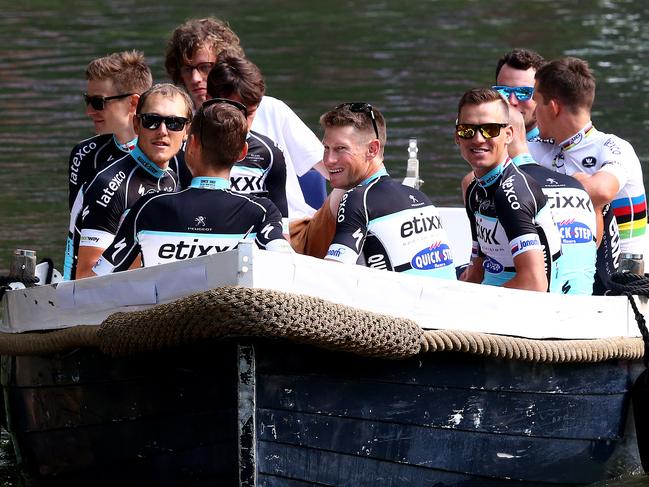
(605, 164)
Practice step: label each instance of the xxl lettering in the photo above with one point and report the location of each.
(245, 183)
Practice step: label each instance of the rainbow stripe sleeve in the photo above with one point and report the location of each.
(631, 216)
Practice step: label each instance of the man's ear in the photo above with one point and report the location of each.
(136, 124)
(135, 98)
(244, 152)
(374, 149)
(556, 108)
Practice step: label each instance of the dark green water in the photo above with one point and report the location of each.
(413, 60)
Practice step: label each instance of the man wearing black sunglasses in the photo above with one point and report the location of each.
(163, 113)
(207, 217)
(380, 223)
(114, 85)
(515, 240)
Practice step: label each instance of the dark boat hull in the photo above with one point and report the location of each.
(269, 414)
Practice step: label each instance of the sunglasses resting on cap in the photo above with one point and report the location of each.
(522, 93)
(99, 102)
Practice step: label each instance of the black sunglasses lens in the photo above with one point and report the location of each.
(96, 102)
(175, 124)
(150, 121)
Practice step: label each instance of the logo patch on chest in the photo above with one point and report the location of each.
(589, 161)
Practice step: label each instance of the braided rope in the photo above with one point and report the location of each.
(237, 311)
(556, 351)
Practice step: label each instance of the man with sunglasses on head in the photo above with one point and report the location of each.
(162, 115)
(191, 53)
(207, 217)
(515, 240)
(380, 222)
(605, 164)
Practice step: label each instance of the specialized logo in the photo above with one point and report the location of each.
(420, 225)
(433, 257)
(492, 266)
(573, 232)
(181, 250)
(266, 231)
(508, 187)
(589, 161)
(109, 191)
(119, 246)
(551, 181)
(76, 160)
(358, 236)
(85, 212)
(200, 221)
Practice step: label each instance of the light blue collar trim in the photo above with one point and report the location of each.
(145, 163)
(204, 182)
(380, 173)
(522, 159)
(533, 133)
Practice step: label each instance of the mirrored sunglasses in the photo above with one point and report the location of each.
(522, 93)
(488, 130)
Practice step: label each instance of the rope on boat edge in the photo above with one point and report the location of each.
(238, 311)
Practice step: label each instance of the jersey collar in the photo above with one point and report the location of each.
(145, 163)
(576, 139)
(492, 176)
(127, 146)
(380, 173)
(205, 182)
(535, 132)
(522, 159)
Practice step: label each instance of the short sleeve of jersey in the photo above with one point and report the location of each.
(517, 201)
(475, 245)
(295, 137)
(121, 253)
(351, 227)
(270, 235)
(620, 159)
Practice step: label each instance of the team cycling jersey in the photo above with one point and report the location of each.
(262, 173)
(387, 225)
(590, 151)
(510, 215)
(89, 157)
(99, 209)
(574, 215)
(203, 219)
